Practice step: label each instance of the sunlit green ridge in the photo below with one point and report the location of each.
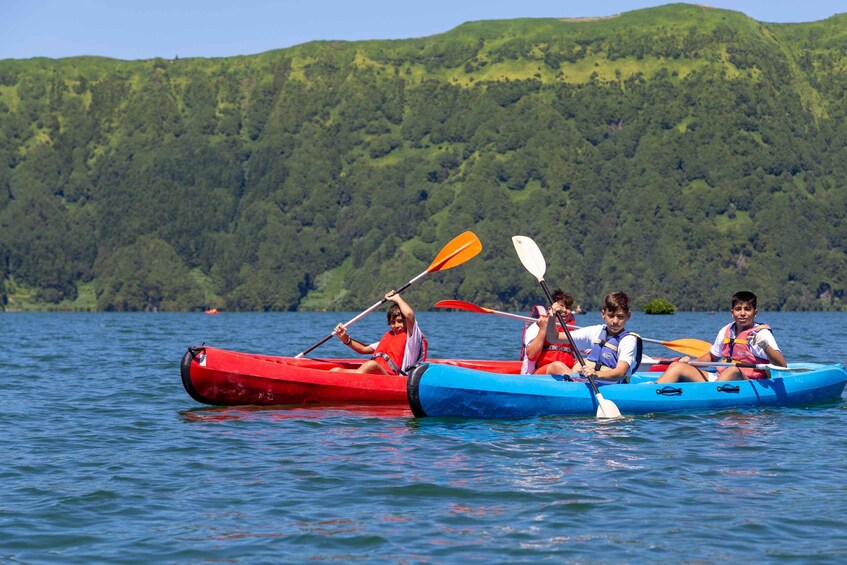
(680, 152)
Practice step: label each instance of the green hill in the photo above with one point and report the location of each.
(680, 152)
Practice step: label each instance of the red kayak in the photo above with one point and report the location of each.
(229, 378)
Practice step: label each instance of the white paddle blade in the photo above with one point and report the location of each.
(606, 408)
(530, 256)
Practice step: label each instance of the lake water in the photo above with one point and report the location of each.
(107, 459)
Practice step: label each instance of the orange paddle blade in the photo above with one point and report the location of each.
(689, 346)
(461, 248)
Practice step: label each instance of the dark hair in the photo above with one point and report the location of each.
(566, 297)
(615, 301)
(744, 296)
(393, 312)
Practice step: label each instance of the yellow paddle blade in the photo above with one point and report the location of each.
(689, 346)
(461, 248)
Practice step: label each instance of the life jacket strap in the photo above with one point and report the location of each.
(391, 363)
(639, 348)
(421, 357)
(604, 343)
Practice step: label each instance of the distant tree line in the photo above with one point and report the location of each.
(680, 153)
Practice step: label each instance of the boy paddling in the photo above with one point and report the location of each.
(741, 341)
(400, 347)
(615, 351)
(539, 356)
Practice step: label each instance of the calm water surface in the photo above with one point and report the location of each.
(107, 459)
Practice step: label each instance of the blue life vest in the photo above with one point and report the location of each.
(604, 350)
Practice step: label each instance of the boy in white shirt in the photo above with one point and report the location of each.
(741, 341)
(615, 351)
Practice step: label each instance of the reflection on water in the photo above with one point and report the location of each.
(278, 413)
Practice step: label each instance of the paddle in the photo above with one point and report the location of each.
(760, 366)
(687, 346)
(533, 261)
(461, 248)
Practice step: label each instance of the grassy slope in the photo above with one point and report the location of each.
(481, 41)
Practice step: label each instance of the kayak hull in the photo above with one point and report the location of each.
(221, 377)
(444, 391)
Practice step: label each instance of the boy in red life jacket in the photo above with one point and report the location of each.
(615, 351)
(399, 349)
(539, 356)
(741, 341)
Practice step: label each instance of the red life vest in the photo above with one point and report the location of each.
(550, 352)
(737, 350)
(390, 351)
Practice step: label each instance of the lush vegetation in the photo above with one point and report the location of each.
(659, 306)
(679, 151)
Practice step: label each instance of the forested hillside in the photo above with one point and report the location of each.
(680, 152)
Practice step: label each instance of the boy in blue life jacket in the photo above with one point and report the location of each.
(615, 351)
(741, 341)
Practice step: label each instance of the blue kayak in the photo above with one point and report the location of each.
(443, 390)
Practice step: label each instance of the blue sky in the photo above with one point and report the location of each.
(224, 28)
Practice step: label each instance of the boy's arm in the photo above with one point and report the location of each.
(619, 371)
(407, 311)
(553, 334)
(776, 356)
(765, 341)
(534, 347)
(550, 333)
(360, 347)
(622, 368)
(581, 337)
(353, 344)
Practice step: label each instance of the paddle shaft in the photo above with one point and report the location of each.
(688, 346)
(760, 366)
(460, 249)
(571, 326)
(577, 353)
(359, 316)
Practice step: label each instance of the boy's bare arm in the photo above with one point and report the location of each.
(405, 309)
(774, 355)
(534, 347)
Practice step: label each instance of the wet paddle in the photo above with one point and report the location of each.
(461, 248)
(687, 346)
(532, 259)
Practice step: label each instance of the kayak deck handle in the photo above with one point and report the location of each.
(196, 350)
(669, 391)
(729, 388)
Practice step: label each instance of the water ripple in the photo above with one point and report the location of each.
(109, 460)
